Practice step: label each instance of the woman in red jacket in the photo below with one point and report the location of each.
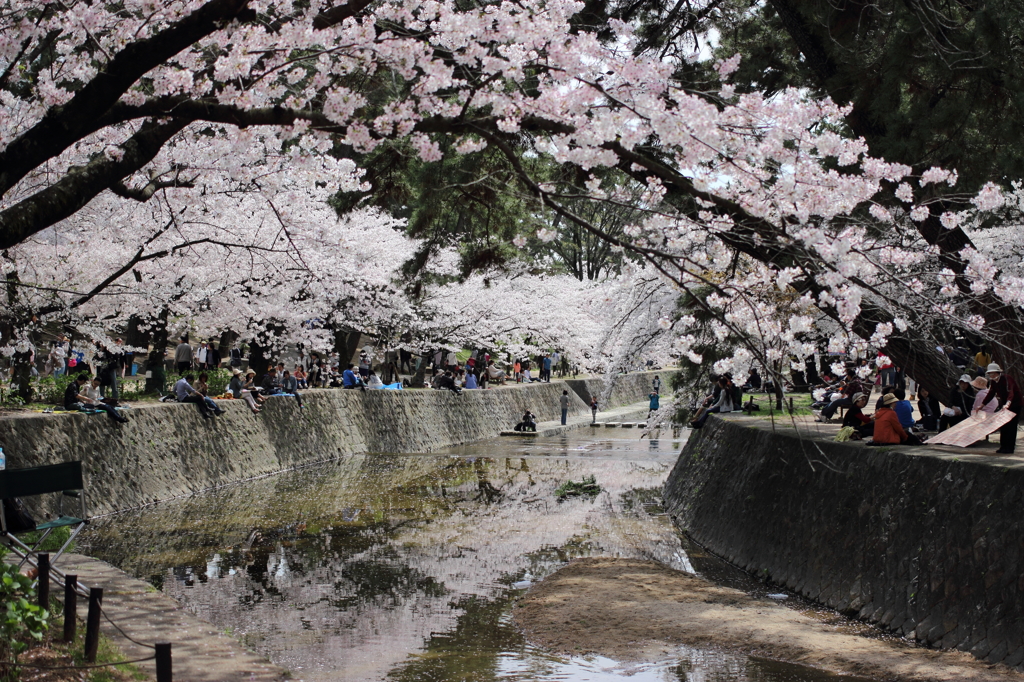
(887, 425)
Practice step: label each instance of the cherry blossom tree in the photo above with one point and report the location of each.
(742, 195)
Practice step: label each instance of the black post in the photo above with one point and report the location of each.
(43, 589)
(70, 607)
(791, 406)
(92, 624)
(163, 662)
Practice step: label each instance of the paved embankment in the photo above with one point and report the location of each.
(199, 652)
(168, 450)
(925, 542)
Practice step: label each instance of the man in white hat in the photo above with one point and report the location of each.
(1003, 389)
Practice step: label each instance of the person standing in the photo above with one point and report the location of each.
(564, 402)
(654, 404)
(212, 356)
(545, 371)
(201, 355)
(183, 355)
(593, 410)
(236, 356)
(656, 384)
(1003, 389)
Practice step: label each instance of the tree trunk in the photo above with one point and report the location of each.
(156, 374)
(21, 375)
(259, 362)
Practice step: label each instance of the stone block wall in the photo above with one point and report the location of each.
(627, 389)
(928, 547)
(168, 450)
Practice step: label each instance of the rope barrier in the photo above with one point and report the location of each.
(123, 633)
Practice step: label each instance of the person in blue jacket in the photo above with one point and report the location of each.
(903, 409)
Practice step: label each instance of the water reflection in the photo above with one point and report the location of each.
(402, 567)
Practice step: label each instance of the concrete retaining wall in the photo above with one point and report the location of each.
(626, 389)
(929, 547)
(167, 450)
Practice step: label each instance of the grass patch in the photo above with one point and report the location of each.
(587, 487)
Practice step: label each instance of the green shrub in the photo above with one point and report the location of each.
(22, 618)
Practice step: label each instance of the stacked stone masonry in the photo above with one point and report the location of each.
(168, 450)
(927, 547)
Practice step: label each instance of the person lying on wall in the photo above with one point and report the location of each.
(76, 398)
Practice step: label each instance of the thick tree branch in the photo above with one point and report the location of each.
(79, 185)
(67, 124)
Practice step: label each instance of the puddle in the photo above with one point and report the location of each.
(406, 567)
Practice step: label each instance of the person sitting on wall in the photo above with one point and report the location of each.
(76, 399)
(289, 384)
(373, 381)
(447, 382)
(726, 401)
(271, 384)
(350, 380)
(238, 390)
(185, 393)
(250, 385)
(928, 406)
(856, 418)
(961, 400)
(888, 430)
(202, 387)
(904, 410)
(527, 423)
(471, 381)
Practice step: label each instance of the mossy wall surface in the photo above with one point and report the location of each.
(929, 547)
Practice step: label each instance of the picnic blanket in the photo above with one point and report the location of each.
(972, 429)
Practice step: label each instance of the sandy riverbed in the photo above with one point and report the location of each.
(632, 610)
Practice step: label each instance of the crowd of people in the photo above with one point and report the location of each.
(984, 387)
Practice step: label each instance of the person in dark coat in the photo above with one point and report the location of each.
(1003, 388)
(958, 407)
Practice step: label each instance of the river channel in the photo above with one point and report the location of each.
(406, 566)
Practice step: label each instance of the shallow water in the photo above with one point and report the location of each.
(406, 567)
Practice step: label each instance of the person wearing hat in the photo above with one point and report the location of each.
(961, 400)
(887, 425)
(980, 384)
(856, 418)
(238, 390)
(1003, 391)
